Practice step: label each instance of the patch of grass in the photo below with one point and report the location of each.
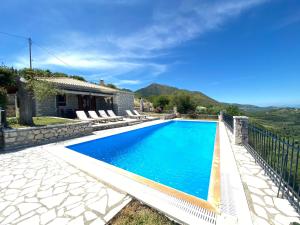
(39, 121)
(136, 213)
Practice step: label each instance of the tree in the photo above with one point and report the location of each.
(77, 77)
(214, 109)
(184, 103)
(161, 101)
(25, 97)
(28, 88)
(111, 86)
(233, 110)
(7, 80)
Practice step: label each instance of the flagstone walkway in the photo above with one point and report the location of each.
(37, 188)
(261, 192)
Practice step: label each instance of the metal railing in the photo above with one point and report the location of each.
(2, 123)
(279, 158)
(2, 119)
(228, 119)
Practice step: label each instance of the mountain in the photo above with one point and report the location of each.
(159, 89)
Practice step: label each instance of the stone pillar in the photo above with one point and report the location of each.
(175, 110)
(221, 116)
(1, 129)
(142, 105)
(123, 101)
(240, 129)
(1, 139)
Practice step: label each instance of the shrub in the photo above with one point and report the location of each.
(3, 97)
(184, 103)
(12, 120)
(161, 102)
(233, 110)
(200, 109)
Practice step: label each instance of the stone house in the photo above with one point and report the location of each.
(81, 95)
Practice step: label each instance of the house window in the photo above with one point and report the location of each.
(61, 100)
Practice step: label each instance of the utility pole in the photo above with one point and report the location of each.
(30, 60)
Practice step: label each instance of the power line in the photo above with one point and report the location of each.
(13, 35)
(50, 53)
(38, 45)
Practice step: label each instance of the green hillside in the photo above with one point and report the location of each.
(159, 89)
(282, 121)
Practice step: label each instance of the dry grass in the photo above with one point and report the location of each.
(136, 213)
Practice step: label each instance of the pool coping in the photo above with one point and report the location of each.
(211, 205)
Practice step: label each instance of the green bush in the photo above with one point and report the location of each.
(200, 109)
(3, 97)
(233, 110)
(161, 102)
(184, 103)
(12, 120)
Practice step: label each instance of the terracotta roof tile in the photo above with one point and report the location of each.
(70, 83)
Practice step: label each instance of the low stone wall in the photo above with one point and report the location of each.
(169, 116)
(106, 126)
(24, 137)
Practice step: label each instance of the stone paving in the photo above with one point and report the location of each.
(261, 192)
(37, 188)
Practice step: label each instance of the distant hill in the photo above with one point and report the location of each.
(159, 89)
(253, 108)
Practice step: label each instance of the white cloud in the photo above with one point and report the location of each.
(192, 18)
(127, 56)
(130, 82)
(106, 66)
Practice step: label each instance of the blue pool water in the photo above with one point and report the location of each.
(177, 154)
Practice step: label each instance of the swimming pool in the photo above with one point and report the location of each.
(177, 154)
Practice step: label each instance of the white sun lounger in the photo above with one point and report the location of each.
(138, 114)
(94, 116)
(104, 115)
(82, 116)
(130, 114)
(113, 115)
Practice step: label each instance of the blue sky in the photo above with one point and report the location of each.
(243, 51)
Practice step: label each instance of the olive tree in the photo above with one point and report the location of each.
(28, 88)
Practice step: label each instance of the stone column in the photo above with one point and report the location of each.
(142, 105)
(221, 116)
(240, 129)
(175, 110)
(1, 129)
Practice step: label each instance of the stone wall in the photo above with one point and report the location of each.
(47, 107)
(71, 103)
(123, 101)
(23, 137)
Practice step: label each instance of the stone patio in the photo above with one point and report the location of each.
(38, 188)
(261, 192)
